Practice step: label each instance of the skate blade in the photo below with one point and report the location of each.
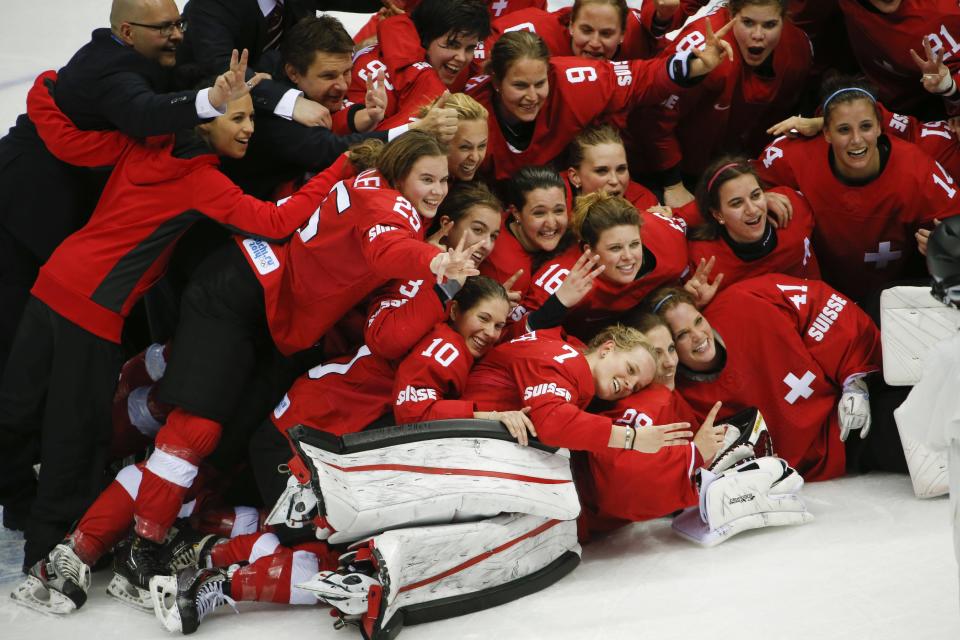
(163, 593)
(121, 589)
(32, 594)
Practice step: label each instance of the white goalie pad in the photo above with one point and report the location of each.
(457, 478)
(754, 494)
(911, 322)
(423, 574)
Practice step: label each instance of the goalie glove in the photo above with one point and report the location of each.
(854, 408)
(756, 493)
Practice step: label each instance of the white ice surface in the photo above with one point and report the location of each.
(876, 563)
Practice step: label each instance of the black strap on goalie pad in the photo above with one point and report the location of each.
(406, 434)
(472, 602)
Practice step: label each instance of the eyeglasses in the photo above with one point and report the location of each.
(166, 28)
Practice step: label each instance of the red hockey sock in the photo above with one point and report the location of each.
(181, 444)
(105, 523)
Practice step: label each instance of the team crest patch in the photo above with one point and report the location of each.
(262, 255)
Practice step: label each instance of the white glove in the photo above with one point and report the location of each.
(854, 408)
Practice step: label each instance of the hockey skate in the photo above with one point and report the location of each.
(57, 585)
(188, 549)
(182, 602)
(124, 584)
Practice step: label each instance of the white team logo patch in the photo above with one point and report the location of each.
(282, 407)
(262, 255)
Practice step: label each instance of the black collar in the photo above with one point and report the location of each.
(750, 251)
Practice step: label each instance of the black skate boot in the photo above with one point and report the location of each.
(57, 584)
(183, 602)
(188, 549)
(139, 561)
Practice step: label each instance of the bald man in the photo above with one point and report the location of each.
(119, 80)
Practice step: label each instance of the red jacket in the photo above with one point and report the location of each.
(153, 196)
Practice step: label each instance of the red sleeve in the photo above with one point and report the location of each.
(774, 165)
(217, 197)
(399, 42)
(400, 315)
(837, 333)
(937, 192)
(390, 242)
(551, 390)
(64, 140)
(435, 369)
(341, 120)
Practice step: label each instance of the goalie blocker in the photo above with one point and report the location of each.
(445, 471)
(745, 487)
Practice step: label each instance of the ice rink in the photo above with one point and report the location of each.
(876, 564)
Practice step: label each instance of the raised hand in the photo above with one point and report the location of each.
(709, 438)
(936, 76)
(699, 285)
(440, 120)
(714, 51)
(455, 264)
(579, 281)
(232, 84)
(375, 100)
(665, 9)
(513, 296)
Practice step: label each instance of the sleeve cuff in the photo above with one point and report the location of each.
(284, 108)
(205, 110)
(550, 315)
(396, 131)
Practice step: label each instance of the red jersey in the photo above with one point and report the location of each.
(349, 393)
(729, 111)
(547, 373)
(629, 486)
(152, 197)
(791, 255)
(432, 377)
(664, 263)
(410, 81)
(863, 235)
(507, 257)
(882, 42)
(793, 370)
(581, 91)
(934, 138)
(363, 235)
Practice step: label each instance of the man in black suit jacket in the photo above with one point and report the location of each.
(219, 26)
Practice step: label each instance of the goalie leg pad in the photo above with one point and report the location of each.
(431, 573)
(437, 481)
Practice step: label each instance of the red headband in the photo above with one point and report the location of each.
(716, 174)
